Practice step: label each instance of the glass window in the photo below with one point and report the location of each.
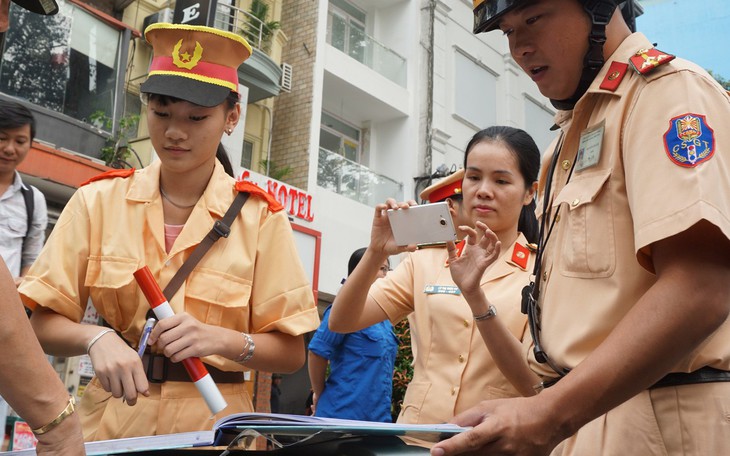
(474, 92)
(247, 154)
(538, 120)
(346, 29)
(338, 136)
(66, 62)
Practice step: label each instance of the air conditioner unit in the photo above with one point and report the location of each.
(286, 77)
(163, 15)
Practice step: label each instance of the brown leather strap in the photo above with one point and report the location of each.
(221, 228)
(160, 369)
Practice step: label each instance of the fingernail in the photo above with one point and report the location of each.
(437, 452)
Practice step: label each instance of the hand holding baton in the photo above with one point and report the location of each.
(196, 369)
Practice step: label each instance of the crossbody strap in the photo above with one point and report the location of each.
(27, 193)
(221, 228)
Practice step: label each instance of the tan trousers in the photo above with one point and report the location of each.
(171, 407)
(688, 420)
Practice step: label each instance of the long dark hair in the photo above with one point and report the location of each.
(220, 153)
(521, 144)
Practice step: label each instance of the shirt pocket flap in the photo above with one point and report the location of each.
(110, 272)
(582, 190)
(218, 288)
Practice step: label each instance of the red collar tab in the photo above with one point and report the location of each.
(616, 73)
(110, 174)
(253, 189)
(646, 60)
(520, 255)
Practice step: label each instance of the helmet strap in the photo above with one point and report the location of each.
(600, 12)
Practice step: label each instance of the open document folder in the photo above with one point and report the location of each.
(280, 429)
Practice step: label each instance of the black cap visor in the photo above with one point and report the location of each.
(187, 89)
(488, 14)
(44, 7)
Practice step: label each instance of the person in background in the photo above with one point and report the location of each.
(453, 367)
(29, 382)
(275, 393)
(23, 213)
(360, 383)
(233, 310)
(630, 305)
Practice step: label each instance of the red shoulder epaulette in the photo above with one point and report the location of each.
(520, 255)
(250, 187)
(647, 60)
(110, 174)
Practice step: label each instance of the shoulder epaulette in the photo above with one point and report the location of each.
(520, 255)
(253, 189)
(110, 174)
(647, 60)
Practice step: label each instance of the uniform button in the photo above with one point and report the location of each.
(544, 275)
(461, 358)
(566, 164)
(575, 202)
(453, 391)
(466, 323)
(167, 263)
(557, 218)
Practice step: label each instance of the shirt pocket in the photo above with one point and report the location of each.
(14, 227)
(588, 246)
(217, 298)
(113, 289)
(413, 402)
(368, 342)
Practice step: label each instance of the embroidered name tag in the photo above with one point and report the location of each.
(442, 289)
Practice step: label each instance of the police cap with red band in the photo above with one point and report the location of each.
(194, 63)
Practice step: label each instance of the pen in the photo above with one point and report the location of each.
(145, 335)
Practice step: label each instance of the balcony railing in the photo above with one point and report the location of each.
(355, 181)
(366, 50)
(240, 22)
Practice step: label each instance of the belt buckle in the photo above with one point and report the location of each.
(155, 363)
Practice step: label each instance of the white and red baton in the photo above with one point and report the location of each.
(196, 369)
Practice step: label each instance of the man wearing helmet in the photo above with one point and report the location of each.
(629, 310)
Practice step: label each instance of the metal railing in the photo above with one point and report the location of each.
(355, 181)
(254, 30)
(357, 44)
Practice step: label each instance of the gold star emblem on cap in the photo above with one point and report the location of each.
(184, 60)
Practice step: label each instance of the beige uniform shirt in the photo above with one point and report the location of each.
(453, 369)
(661, 166)
(251, 281)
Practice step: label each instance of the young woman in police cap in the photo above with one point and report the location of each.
(233, 310)
(457, 303)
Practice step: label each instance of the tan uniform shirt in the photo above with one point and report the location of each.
(251, 281)
(598, 260)
(662, 166)
(453, 369)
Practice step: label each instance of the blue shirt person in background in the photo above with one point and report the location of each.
(360, 382)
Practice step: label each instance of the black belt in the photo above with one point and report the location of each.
(705, 374)
(160, 369)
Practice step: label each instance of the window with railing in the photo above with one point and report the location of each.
(340, 136)
(252, 24)
(346, 32)
(67, 63)
(355, 181)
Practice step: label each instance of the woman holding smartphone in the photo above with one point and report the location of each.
(453, 368)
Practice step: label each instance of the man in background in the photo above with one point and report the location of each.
(23, 214)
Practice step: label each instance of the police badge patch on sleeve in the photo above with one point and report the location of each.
(689, 140)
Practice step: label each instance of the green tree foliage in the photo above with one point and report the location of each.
(723, 82)
(403, 372)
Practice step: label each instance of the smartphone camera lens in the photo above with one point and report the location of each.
(443, 222)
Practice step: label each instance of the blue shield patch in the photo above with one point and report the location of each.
(689, 140)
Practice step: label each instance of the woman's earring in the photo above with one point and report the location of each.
(229, 131)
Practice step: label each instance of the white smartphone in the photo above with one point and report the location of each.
(424, 224)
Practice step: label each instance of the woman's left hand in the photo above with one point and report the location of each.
(183, 336)
(481, 250)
